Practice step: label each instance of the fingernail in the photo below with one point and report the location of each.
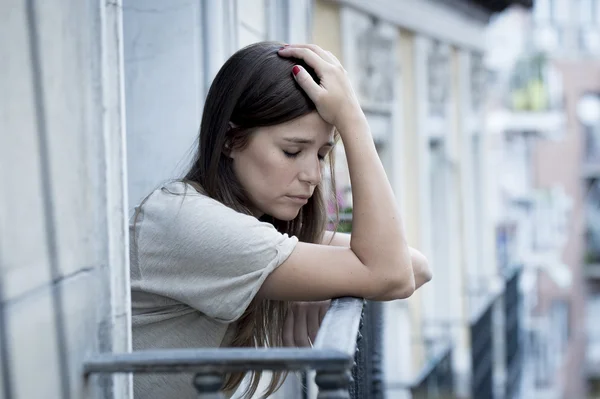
(295, 70)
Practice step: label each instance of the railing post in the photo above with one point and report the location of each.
(209, 385)
(333, 385)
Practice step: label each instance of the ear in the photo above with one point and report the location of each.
(227, 149)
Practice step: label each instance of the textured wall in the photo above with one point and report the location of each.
(164, 88)
(61, 208)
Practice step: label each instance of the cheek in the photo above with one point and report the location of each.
(276, 169)
(266, 171)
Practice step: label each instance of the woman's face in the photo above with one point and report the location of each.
(282, 164)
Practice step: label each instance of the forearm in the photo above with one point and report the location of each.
(420, 265)
(378, 237)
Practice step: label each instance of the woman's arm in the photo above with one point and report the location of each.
(420, 264)
(377, 264)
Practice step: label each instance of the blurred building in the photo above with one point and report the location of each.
(545, 116)
(418, 68)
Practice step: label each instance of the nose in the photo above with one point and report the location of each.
(311, 172)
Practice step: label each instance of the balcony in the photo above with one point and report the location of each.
(333, 358)
(512, 334)
(485, 353)
(482, 352)
(436, 379)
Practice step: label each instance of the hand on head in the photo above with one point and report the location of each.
(334, 97)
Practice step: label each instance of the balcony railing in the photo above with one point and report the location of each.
(368, 372)
(332, 356)
(484, 351)
(436, 380)
(512, 330)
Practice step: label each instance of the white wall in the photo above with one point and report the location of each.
(62, 246)
(164, 88)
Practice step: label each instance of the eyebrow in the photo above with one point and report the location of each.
(299, 140)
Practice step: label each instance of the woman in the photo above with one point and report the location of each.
(218, 257)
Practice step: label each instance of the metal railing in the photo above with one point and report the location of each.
(368, 372)
(436, 380)
(482, 353)
(332, 356)
(512, 334)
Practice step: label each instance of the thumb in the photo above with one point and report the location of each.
(307, 82)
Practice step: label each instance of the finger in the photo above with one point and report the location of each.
(333, 58)
(307, 83)
(326, 55)
(311, 58)
(288, 330)
(300, 327)
(313, 320)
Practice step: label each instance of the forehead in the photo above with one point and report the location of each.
(309, 127)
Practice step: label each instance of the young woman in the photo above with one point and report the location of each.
(218, 258)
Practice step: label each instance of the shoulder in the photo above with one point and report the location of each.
(178, 207)
(179, 200)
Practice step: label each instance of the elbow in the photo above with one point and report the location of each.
(405, 288)
(426, 274)
(399, 286)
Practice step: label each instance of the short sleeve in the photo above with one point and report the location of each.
(200, 252)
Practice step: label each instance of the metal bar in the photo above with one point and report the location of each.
(432, 364)
(339, 332)
(209, 385)
(333, 385)
(340, 326)
(221, 360)
(332, 356)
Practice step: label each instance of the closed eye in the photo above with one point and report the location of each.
(291, 154)
(295, 154)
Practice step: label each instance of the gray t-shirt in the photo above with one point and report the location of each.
(196, 265)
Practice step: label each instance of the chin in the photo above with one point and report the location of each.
(285, 214)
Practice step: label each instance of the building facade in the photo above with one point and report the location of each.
(418, 69)
(64, 291)
(548, 113)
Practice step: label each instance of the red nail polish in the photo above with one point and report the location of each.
(295, 70)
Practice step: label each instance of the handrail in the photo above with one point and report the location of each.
(332, 356)
(436, 359)
(212, 360)
(343, 316)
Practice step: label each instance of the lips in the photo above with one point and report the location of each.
(301, 199)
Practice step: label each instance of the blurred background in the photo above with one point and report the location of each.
(485, 113)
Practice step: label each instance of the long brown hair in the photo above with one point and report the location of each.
(254, 88)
